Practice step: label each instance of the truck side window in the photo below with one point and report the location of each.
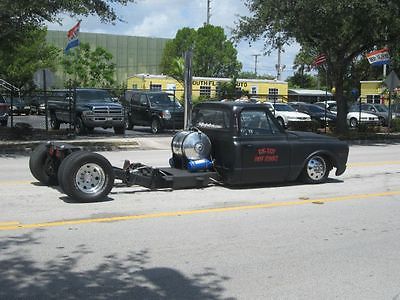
(143, 100)
(256, 122)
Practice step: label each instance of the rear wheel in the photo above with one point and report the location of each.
(316, 170)
(129, 124)
(42, 166)
(119, 130)
(80, 128)
(87, 177)
(54, 123)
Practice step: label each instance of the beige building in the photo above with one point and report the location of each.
(207, 87)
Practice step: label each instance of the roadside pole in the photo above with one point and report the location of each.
(188, 89)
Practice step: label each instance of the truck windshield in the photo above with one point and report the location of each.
(162, 100)
(95, 95)
(283, 107)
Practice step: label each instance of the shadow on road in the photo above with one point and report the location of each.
(116, 277)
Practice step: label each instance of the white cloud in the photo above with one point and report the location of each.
(161, 18)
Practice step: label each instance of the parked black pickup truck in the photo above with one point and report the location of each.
(92, 108)
(232, 143)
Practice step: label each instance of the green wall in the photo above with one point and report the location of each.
(131, 54)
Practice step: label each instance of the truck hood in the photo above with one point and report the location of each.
(304, 135)
(91, 104)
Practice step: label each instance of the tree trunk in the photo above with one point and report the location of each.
(341, 121)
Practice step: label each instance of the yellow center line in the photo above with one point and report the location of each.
(199, 211)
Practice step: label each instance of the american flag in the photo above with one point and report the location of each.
(319, 60)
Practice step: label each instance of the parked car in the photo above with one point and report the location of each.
(155, 109)
(317, 113)
(373, 108)
(330, 105)
(4, 110)
(353, 119)
(93, 108)
(286, 115)
(18, 106)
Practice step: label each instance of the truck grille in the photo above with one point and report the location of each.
(107, 110)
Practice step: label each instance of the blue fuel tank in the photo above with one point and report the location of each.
(199, 165)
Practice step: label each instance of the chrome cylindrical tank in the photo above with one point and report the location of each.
(191, 145)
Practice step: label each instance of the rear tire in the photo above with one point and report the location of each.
(54, 123)
(42, 167)
(80, 128)
(316, 170)
(281, 122)
(119, 130)
(87, 177)
(64, 164)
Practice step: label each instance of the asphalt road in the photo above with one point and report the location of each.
(337, 240)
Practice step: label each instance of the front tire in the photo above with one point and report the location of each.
(353, 123)
(155, 126)
(87, 177)
(54, 123)
(316, 170)
(281, 122)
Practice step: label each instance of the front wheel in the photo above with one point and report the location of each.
(155, 126)
(80, 127)
(88, 177)
(281, 122)
(353, 122)
(316, 170)
(54, 123)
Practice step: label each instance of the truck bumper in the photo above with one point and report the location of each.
(104, 122)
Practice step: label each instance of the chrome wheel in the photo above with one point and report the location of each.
(316, 169)
(90, 178)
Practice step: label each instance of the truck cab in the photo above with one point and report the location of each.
(249, 145)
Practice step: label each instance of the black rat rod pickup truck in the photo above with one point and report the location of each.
(230, 143)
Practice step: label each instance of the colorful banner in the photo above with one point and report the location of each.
(72, 35)
(379, 57)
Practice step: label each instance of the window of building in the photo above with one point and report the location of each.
(134, 86)
(273, 94)
(254, 90)
(374, 99)
(155, 87)
(205, 90)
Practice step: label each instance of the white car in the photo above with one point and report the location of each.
(286, 114)
(353, 118)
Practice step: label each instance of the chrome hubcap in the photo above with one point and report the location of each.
(316, 168)
(90, 178)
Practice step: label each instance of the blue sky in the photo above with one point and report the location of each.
(161, 18)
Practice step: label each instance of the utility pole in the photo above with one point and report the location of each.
(255, 62)
(208, 12)
(279, 67)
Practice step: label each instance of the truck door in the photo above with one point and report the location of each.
(264, 147)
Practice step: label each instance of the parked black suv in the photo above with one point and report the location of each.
(159, 110)
(93, 108)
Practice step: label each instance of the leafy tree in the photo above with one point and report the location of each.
(89, 68)
(213, 54)
(342, 29)
(253, 75)
(19, 61)
(305, 81)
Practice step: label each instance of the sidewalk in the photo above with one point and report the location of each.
(94, 144)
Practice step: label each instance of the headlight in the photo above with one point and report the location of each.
(166, 114)
(87, 113)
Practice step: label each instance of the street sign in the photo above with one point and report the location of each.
(392, 81)
(41, 76)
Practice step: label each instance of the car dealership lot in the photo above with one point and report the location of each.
(334, 240)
